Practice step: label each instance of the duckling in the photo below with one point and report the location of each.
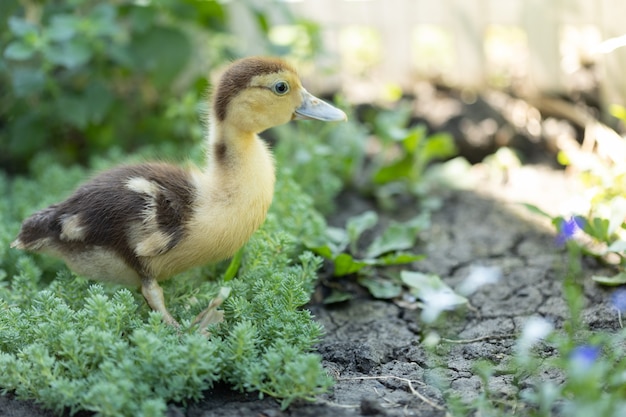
(141, 224)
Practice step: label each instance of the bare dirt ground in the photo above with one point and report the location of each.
(374, 348)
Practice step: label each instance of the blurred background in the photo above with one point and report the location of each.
(78, 77)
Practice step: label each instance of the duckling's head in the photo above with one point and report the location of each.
(257, 93)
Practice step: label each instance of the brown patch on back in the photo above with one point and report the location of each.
(237, 77)
(107, 208)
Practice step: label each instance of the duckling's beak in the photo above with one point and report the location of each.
(314, 108)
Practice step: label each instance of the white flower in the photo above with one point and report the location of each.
(535, 329)
(438, 301)
(478, 277)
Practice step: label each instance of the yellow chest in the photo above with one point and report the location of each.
(231, 204)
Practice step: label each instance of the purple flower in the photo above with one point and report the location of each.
(569, 228)
(583, 357)
(618, 299)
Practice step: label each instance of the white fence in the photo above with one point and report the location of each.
(539, 46)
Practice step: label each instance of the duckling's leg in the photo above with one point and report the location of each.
(153, 293)
(211, 314)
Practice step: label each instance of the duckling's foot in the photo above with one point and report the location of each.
(211, 314)
(153, 293)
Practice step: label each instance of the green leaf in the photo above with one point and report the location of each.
(324, 251)
(618, 246)
(261, 20)
(400, 169)
(71, 54)
(27, 125)
(399, 258)
(98, 100)
(388, 124)
(19, 51)
(413, 138)
(103, 18)
(381, 288)
(337, 296)
(397, 133)
(337, 237)
(27, 81)
(162, 52)
(21, 27)
(598, 228)
(398, 236)
(617, 214)
(536, 210)
(142, 17)
(358, 224)
(346, 265)
(438, 146)
(62, 27)
(331, 245)
(613, 281)
(72, 109)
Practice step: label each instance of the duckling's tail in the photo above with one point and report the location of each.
(37, 230)
(18, 244)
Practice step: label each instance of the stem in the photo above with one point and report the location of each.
(233, 267)
(572, 289)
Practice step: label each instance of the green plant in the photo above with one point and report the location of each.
(81, 75)
(337, 159)
(389, 248)
(597, 223)
(400, 166)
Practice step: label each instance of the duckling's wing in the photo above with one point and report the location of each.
(167, 202)
(135, 211)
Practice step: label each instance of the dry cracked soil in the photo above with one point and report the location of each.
(374, 348)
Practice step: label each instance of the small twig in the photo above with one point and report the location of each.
(332, 404)
(619, 318)
(408, 381)
(479, 339)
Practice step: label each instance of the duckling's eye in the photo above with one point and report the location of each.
(280, 88)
